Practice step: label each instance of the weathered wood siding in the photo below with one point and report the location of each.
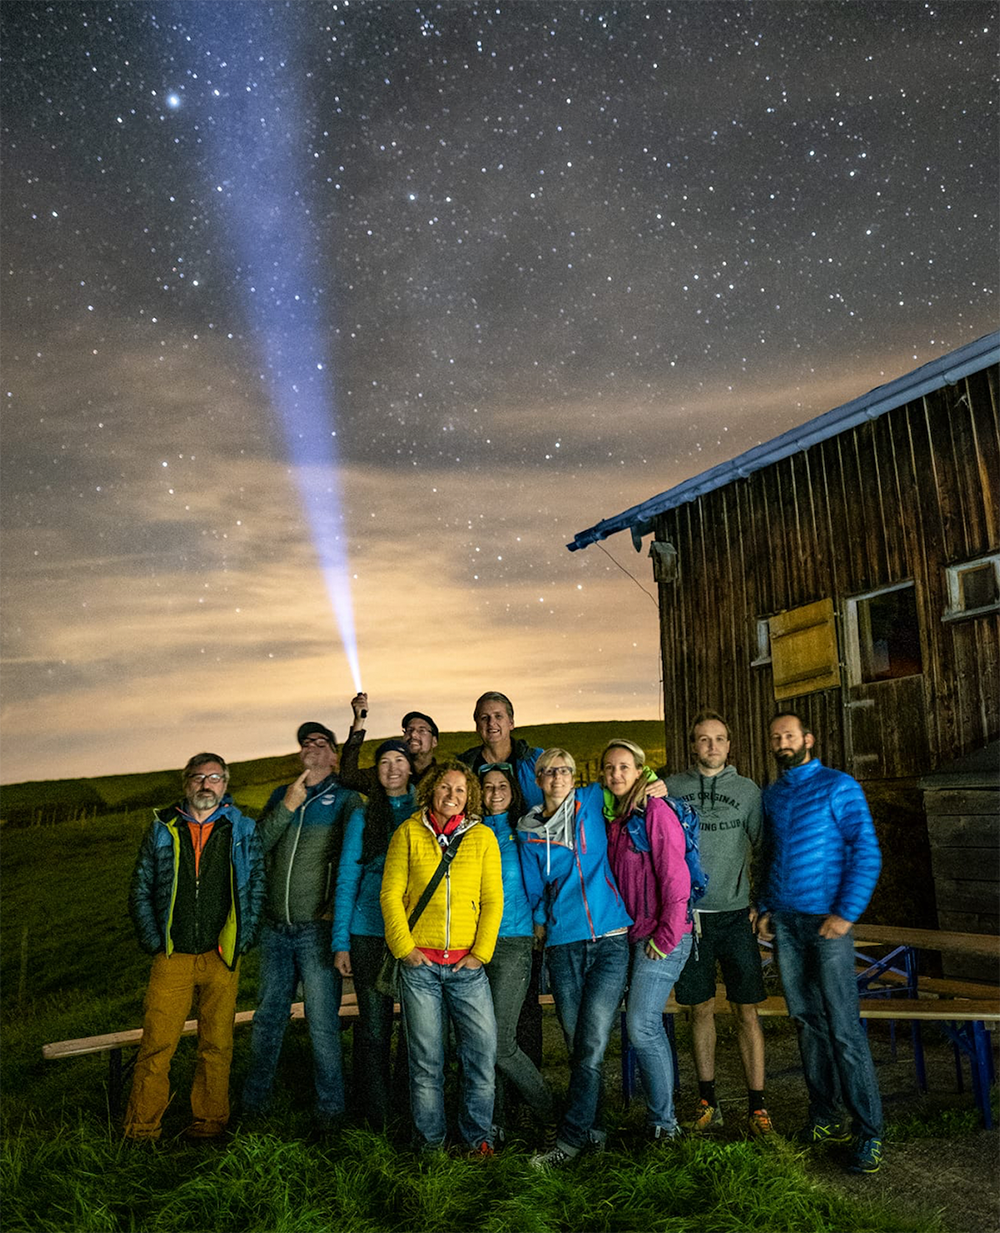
(964, 829)
(901, 497)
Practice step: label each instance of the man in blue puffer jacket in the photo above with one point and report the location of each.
(822, 860)
(195, 899)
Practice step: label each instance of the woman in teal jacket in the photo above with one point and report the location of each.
(509, 971)
(358, 932)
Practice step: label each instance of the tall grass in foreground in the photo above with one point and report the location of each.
(83, 1179)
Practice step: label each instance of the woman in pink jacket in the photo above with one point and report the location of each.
(646, 851)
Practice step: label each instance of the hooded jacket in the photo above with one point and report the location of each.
(729, 816)
(465, 910)
(821, 849)
(570, 886)
(153, 889)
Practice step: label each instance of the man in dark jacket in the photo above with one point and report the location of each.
(493, 716)
(195, 900)
(420, 736)
(823, 862)
(302, 831)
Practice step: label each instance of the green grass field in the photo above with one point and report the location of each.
(69, 967)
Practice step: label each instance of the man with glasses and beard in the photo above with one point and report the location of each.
(195, 899)
(302, 832)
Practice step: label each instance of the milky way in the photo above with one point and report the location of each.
(559, 257)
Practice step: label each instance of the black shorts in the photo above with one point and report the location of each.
(726, 938)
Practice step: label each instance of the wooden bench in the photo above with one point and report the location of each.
(963, 1020)
(113, 1043)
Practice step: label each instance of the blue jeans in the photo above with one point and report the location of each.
(290, 953)
(821, 990)
(509, 974)
(649, 987)
(588, 980)
(428, 992)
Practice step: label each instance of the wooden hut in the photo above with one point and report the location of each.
(848, 570)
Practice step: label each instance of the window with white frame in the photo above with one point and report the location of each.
(973, 587)
(883, 635)
(762, 642)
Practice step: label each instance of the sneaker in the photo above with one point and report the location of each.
(866, 1157)
(482, 1152)
(665, 1134)
(597, 1142)
(817, 1133)
(556, 1159)
(759, 1124)
(705, 1117)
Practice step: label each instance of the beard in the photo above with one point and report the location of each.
(205, 800)
(788, 758)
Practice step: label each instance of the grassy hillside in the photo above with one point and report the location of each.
(61, 800)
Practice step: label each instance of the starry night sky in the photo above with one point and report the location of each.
(482, 274)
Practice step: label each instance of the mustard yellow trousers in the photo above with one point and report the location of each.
(174, 983)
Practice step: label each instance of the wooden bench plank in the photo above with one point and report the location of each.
(984, 945)
(118, 1040)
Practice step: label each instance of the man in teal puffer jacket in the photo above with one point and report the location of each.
(195, 899)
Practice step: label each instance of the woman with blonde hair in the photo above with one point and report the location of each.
(646, 851)
(571, 888)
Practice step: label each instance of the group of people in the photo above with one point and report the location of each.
(464, 872)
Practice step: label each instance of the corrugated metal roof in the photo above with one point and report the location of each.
(945, 370)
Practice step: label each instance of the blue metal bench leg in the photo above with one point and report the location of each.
(980, 1063)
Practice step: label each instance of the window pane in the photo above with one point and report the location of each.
(888, 635)
(979, 587)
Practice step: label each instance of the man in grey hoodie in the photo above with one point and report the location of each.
(728, 806)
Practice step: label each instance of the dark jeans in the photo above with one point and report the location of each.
(373, 1033)
(509, 974)
(290, 953)
(588, 981)
(821, 990)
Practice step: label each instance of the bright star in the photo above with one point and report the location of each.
(173, 101)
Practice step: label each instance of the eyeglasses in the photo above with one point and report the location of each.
(214, 778)
(552, 771)
(320, 742)
(496, 766)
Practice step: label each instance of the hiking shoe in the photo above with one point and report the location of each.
(866, 1157)
(705, 1117)
(482, 1152)
(759, 1124)
(666, 1134)
(818, 1133)
(556, 1159)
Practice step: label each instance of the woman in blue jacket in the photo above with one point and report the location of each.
(509, 971)
(575, 902)
(358, 932)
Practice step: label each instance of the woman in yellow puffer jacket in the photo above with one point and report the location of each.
(443, 957)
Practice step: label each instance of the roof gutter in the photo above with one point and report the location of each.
(946, 370)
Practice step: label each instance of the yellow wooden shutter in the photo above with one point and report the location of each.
(804, 650)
